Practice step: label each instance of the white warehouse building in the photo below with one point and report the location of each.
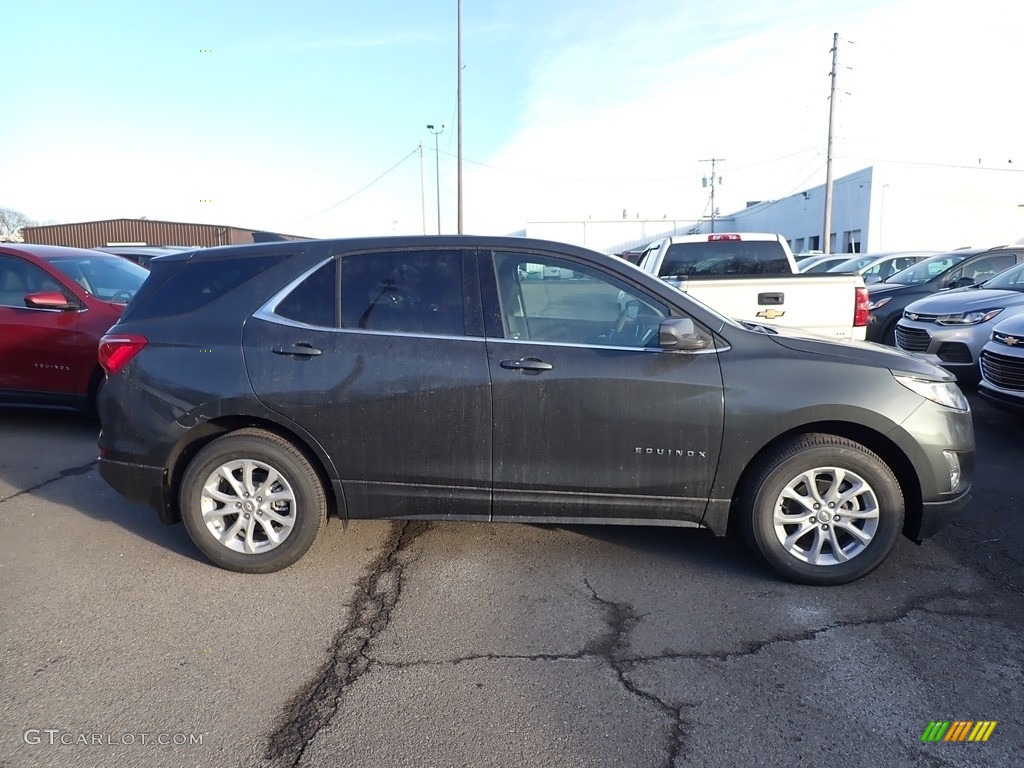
(886, 207)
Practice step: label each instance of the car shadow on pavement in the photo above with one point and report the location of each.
(696, 548)
(49, 456)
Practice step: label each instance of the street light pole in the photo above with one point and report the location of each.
(458, 93)
(437, 170)
(423, 190)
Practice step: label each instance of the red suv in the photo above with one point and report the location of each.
(55, 304)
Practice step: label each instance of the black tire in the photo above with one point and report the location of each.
(96, 382)
(889, 337)
(295, 518)
(828, 552)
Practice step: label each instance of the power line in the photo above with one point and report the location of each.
(750, 212)
(358, 191)
(591, 180)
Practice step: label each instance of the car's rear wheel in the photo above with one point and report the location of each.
(252, 502)
(823, 510)
(889, 337)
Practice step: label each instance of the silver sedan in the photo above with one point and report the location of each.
(951, 327)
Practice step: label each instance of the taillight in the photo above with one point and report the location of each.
(116, 349)
(860, 309)
(715, 238)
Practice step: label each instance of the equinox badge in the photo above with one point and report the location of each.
(671, 452)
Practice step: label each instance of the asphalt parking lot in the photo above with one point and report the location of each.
(464, 644)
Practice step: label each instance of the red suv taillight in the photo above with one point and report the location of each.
(860, 308)
(116, 349)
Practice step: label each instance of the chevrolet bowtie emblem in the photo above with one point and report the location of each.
(911, 316)
(770, 314)
(1011, 340)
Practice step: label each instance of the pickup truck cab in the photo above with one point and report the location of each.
(754, 277)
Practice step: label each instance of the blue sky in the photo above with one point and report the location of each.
(276, 115)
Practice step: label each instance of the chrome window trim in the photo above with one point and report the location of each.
(267, 313)
(709, 350)
(268, 310)
(269, 317)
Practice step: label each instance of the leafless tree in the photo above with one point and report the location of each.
(12, 222)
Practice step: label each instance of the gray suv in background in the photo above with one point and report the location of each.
(252, 391)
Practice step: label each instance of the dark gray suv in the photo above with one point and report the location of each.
(253, 391)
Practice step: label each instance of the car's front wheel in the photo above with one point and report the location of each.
(823, 510)
(252, 502)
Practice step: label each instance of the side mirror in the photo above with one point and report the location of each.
(869, 279)
(49, 300)
(680, 334)
(963, 282)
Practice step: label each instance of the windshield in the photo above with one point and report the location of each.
(927, 270)
(1010, 280)
(856, 264)
(821, 267)
(110, 278)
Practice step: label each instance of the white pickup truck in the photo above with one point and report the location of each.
(753, 277)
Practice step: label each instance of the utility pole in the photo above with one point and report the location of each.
(705, 181)
(458, 99)
(826, 238)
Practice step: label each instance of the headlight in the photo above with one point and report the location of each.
(969, 318)
(872, 304)
(942, 392)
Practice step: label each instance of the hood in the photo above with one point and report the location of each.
(1012, 325)
(880, 289)
(865, 352)
(966, 300)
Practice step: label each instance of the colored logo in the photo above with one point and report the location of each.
(770, 314)
(958, 730)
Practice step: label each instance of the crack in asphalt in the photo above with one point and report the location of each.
(621, 618)
(919, 605)
(378, 591)
(314, 706)
(592, 650)
(84, 469)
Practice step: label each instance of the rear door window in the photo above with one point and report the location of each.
(417, 292)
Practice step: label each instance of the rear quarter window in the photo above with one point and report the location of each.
(195, 284)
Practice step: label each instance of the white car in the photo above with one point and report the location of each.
(818, 264)
(875, 267)
(551, 272)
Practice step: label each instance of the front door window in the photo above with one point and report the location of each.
(548, 299)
